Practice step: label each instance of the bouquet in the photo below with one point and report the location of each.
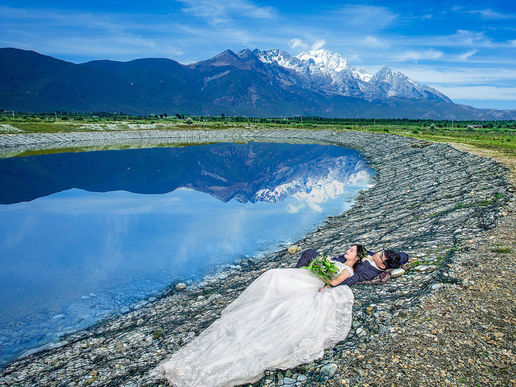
(325, 269)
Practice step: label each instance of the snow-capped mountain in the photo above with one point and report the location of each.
(247, 83)
(332, 74)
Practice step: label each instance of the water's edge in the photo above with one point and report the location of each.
(429, 199)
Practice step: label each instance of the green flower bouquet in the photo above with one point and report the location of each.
(325, 269)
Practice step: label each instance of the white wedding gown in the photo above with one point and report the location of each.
(280, 321)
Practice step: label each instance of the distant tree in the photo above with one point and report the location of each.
(189, 121)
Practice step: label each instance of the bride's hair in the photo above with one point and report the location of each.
(361, 253)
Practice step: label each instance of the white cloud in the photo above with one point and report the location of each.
(490, 14)
(488, 93)
(217, 12)
(297, 43)
(318, 44)
(371, 41)
(469, 38)
(466, 55)
(464, 83)
(420, 55)
(366, 16)
(461, 38)
(459, 75)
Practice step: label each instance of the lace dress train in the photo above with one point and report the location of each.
(280, 321)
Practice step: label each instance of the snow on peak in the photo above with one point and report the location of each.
(332, 74)
(276, 56)
(324, 59)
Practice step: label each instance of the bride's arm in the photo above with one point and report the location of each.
(340, 278)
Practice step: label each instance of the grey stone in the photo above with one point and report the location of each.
(397, 273)
(328, 370)
(301, 378)
(180, 286)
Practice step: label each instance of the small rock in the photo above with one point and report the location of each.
(328, 370)
(294, 249)
(397, 273)
(301, 378)
(425, 268)
(180, 286)
(361, 331)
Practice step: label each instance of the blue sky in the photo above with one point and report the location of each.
(466, 49)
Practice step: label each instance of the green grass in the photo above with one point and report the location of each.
(502, 250)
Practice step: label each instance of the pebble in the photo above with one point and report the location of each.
(397, 273)
(328, 371)
(294, 249)
(425, 268)
(180, 286)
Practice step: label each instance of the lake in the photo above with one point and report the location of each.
(86, 236)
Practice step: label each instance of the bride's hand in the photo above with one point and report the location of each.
(324, 287)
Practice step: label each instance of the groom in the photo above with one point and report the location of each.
(367, 269)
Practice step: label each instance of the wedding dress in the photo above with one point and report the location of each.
(280, 321)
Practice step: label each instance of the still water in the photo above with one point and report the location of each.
(84, 236)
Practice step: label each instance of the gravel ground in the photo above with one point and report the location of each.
(461, 334)
(448, 320)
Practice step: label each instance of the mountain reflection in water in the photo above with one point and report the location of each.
(87, 235)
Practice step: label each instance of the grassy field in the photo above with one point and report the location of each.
(493, 135)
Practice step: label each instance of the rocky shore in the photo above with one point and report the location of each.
(430, 200)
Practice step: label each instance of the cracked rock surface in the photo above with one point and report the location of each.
(430, 200)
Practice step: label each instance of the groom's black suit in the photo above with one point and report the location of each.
(364, 271)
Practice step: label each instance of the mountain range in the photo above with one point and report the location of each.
(248, 83)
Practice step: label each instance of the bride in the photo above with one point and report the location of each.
(286, 317)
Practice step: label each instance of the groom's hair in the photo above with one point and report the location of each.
(392, 259)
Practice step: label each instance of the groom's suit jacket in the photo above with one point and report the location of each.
(364, 271)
